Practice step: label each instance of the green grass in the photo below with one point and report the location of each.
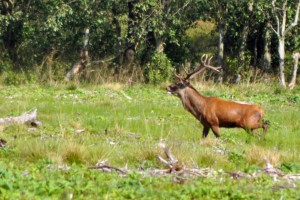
(126, 132)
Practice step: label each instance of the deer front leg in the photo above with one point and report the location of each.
(205, 131)
(215, 129)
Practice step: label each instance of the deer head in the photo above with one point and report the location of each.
(184, 82)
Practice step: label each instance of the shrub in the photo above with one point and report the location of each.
(158, 69)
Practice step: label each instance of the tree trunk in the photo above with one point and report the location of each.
(242, 49)
(255, 53)
(296, 57)
(132, 25)
(159, 44)
(281, 32)
(281, 52)
(11, 32)
(118, 29)
(241, 61)
(220, 60)
(245, 33)
(267, 55)
(84, 59)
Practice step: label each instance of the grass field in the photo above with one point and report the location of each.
(123, 124)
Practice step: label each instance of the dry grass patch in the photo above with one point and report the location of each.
(209, 142)
(74, 153)
(114, 86)
(256, 155)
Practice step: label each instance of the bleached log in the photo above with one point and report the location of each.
(28, 118)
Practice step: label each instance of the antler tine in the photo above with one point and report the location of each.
(204, 58)
(178, 76)
(206, 63)
(184, 69)
(210, 59)
(197, 71)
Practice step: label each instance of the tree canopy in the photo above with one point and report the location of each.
(131, 33)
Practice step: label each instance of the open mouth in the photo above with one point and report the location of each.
(169, 91)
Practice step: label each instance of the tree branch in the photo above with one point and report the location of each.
(295, 20)
(182, 8)
(277, 32)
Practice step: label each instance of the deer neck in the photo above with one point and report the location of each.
(193, 101)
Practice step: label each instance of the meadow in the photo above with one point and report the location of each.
(123, 124)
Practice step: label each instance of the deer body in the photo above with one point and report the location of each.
(214, 112)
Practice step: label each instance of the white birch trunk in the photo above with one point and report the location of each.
(281, 52)
(281, 31)
(296, 57)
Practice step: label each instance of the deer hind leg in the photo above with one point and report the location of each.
(215, 129)
(265, 126)
(205, 131)
(256, 133)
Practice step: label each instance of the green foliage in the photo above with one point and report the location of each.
(202, 37)
(234, 66)
(31, 31)
(13, 78)
(235, 157)
(5, 63)
(158, 69)
(290, 167)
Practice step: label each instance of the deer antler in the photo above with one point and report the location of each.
(205, 61)
(178, 76)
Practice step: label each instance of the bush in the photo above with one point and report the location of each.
(158, 69)
(5, 63)
(17, 78)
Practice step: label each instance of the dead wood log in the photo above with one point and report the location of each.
(28, 118)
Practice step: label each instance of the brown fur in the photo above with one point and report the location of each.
(214, 112)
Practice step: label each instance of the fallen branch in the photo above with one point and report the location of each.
(104, 167)
(181, 174)
(28, 118)
(172, 161)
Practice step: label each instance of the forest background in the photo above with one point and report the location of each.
(145, 41)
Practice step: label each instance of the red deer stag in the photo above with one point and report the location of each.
(214, 112)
